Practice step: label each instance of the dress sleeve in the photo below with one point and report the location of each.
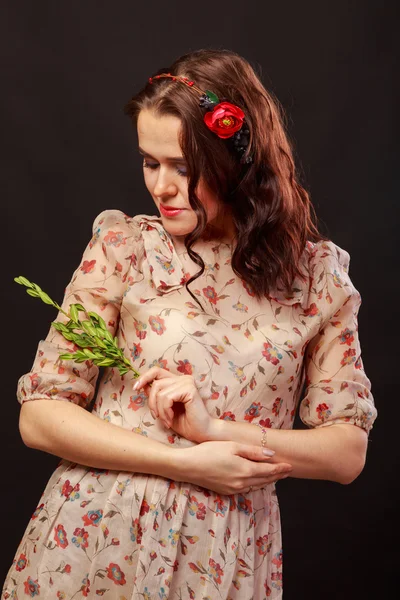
(337, 387)
(98, 283)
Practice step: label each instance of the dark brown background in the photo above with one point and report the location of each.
(67, 153)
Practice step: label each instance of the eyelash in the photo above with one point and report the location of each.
(148, 166)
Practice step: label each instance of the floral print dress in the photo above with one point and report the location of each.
(122, 535)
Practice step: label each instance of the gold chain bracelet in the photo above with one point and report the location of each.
(264, 436)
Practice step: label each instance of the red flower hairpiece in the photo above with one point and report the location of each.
(224, 119)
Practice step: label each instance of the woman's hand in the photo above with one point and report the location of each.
(176, 401)
(228, 467)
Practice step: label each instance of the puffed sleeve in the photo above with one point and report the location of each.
(337, 387)
(98, 283)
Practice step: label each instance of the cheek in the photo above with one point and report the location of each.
(209, 201)
(148, 179)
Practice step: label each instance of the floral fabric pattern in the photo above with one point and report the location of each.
(122, 535)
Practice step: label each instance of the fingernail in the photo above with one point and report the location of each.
(136, 384)
(153, 414)
(268, 452)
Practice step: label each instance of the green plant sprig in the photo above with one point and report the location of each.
(97, 343)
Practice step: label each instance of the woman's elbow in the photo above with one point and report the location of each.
(353, 445)
(29, 424)
(352, 470)
(351, 475)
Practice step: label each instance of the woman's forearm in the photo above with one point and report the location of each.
(335, 453)
(68, 431)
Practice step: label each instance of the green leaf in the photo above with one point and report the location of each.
(99, 332)
(80, 307)
(213, 97)
(82, 340)
(74, 313)
(67, 356)
(113, 351)
(102, 323)
(80, 360)
(108, 336)
(93, 315)
(60, 327)
(32, 293)
(68, 336)
(88, 327)
(46, 299)
(99, 342)
(89, 353)
(23, 281)
(76, 338)
(106, 362)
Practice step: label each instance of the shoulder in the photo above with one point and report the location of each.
(328, 254)
(328, 283)
(115, 229)
(325, 259)
(139, 237)
(325, 276)
(113, 218)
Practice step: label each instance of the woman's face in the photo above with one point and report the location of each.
(165, 175)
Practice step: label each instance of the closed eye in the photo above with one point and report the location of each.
(154, 166)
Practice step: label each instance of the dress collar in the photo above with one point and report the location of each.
(165, 267)
(167, 271)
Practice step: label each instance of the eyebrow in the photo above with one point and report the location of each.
(172, 159)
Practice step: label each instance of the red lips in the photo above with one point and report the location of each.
(171, 207)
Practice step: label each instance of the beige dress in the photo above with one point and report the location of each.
(103, 533)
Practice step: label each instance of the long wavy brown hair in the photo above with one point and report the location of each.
(271, 211)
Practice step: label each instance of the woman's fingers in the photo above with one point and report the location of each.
(164, 389)
(159, 404)
(259, 482)
(178, 390)
(282, 469)
(164, 409)
(152, 392)
(163, 397)
(154, 373)
(267, 473)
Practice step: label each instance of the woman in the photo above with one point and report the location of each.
(164, 490)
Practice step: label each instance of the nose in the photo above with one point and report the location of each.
(165, 185)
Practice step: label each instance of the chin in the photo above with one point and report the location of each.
(175, 225)
(177, 231)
